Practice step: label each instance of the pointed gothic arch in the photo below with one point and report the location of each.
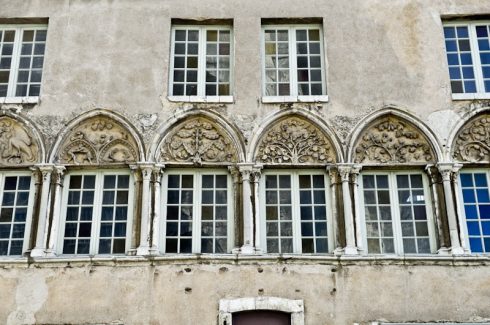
(294, 137)
(391, 136)
(471, 141)
(21, 143)
(99, 137)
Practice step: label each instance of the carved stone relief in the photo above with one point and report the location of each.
(295, 141)
(98, 140)
(473, 141)
(197, 140)
(392, 140)
(17, 144)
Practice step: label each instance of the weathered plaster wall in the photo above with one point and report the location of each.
(188, 292)
(115, 54)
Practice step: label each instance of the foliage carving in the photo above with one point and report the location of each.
(473, 141)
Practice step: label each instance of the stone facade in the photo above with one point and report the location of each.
(104, 106)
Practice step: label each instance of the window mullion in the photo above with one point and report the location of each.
(163, 207)
(196, 211)
(293, 73)
(395, 213)
(14, 64)
(201, 64)
(475, 55)
(297, 247)
(97, 208)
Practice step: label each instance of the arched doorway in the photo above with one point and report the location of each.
(261, 317)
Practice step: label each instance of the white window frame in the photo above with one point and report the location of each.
(461, 210)
(196, 211)
(97, 211)
(201, 74)
(293, 78)
(295, 204)
(28, 224)
(480, 87)
(395, 212)
(14, 65)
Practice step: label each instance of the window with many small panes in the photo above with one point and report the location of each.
(293, 61)
(476, 203)
(295, 213)
(15, 211)
(201, 62)
(97, 213)
(21, 60)
(397, 214)
(197, 209)
(468, 57)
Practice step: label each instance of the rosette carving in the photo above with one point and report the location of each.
(392, 140)
(98, 140)
(17, 144)
(473, 141)
(198, 140)
(295, 141)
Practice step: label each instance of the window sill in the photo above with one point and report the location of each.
(295, 99)
(471, 96)
(199, 99)
(19, 100)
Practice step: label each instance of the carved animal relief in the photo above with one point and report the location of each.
(393, 141)
(17, 144)
(198, 140)
(295, 141)
(473, 141)
(98, 140)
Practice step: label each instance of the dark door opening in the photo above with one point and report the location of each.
(261, 317)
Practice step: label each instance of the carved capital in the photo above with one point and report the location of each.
(246, 170)
(446, 170)
(98, 140)
(473, 141)
(333, 175)
(295, 141)
(344, 172)
(157, 173)
(58, 175)
(198, 140)
(18, 145)
(394, 141)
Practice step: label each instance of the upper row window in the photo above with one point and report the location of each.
(468, 56)
(21, 60)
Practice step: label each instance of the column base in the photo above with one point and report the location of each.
(247, 250)
(457, 251)
(351, 251)
(443, 251)
(143, 251)
(38, 252)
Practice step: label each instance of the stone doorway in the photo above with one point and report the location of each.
(261, 317)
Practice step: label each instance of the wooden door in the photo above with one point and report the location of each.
(261, 317)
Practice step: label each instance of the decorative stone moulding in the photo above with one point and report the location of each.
(473, 141)
(197, 140)
(98, 140)
(393, 141)
(17, 144)
(293, 141)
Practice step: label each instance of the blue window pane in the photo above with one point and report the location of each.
(487, 244)
(466, 180)
(473, 228)
(452, 59)
(487, 86)
(475, 245)
(462, 31)
(485, 58)
(481, 31)
(485, 228)
(449, 32)
(470, 212)
(466, 58)
(481, 180)
(451, 46)
(468, 73)
(469, 196)
(454, 73)
(484, 211)
(482, 195)
(483, 45)
(469, 87)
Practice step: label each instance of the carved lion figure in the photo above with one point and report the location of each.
(15, 143)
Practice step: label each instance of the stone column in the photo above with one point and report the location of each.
(459, 208)
(145, 236)
(58, 176)
(248, 225)
(356, 169)
(350, 241)
(446, 170)
(42, 176)
(333, 175)
(434, 180)
(237, 208)
(156, 204)
(256, 208)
